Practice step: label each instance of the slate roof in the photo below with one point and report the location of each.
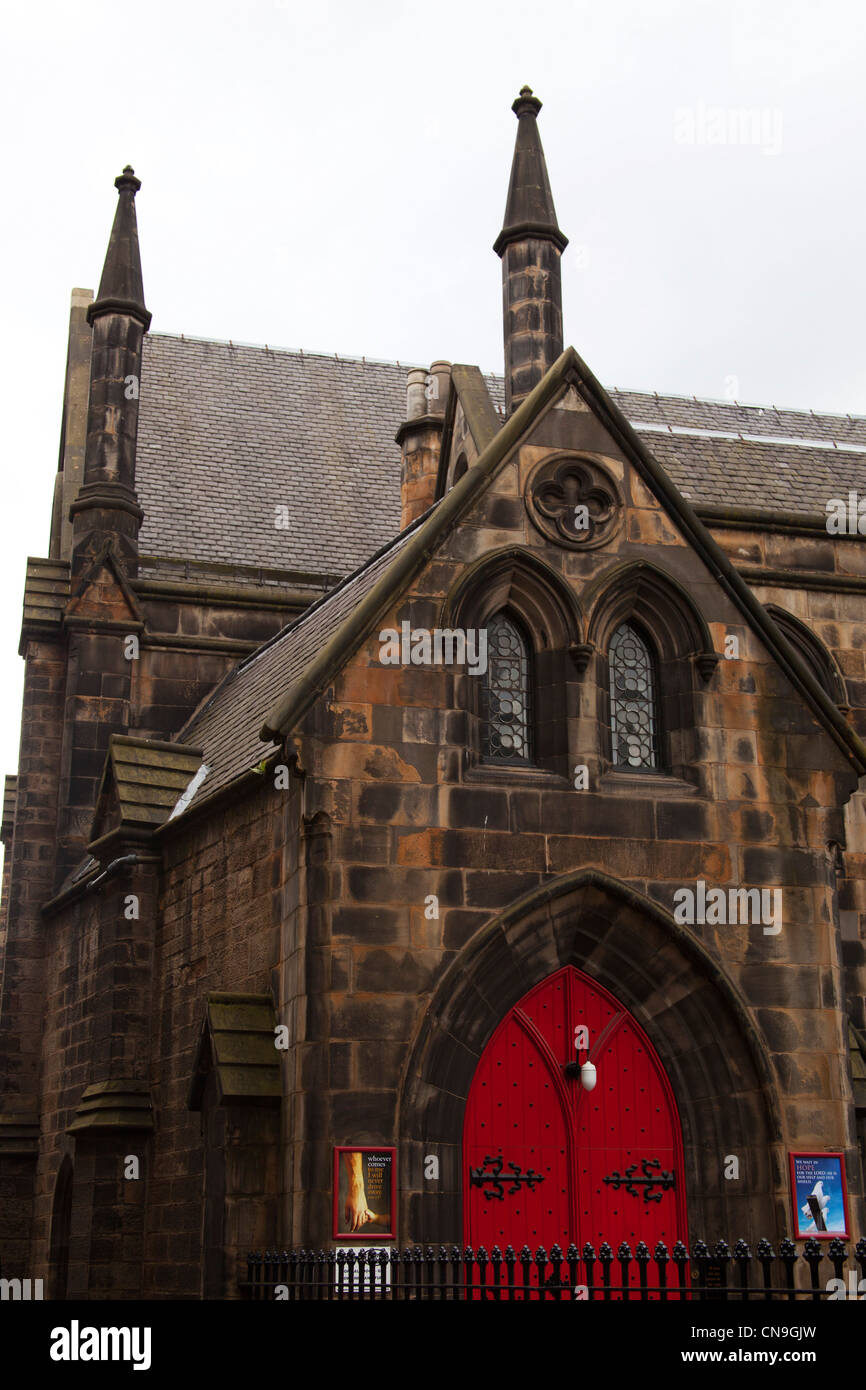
(229, 432)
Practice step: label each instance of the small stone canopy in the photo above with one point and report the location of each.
(142, 782)
(237, 1044)
(108, 1106)
(10, 801)
(19, 1134)
(46, 594)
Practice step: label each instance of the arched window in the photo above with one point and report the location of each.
(633, 707)
(507, 694)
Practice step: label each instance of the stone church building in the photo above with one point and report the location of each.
(397, 748)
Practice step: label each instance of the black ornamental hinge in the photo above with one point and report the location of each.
(661, 1180)
(479, 1177)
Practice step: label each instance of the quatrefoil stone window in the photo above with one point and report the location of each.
(575, 502)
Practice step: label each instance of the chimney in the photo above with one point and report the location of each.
(420, 438)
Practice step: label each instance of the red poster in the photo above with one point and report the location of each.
(364, 1193)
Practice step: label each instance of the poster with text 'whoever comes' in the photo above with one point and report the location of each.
(364, 1181)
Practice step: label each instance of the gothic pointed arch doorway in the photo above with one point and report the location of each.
(547, 1162)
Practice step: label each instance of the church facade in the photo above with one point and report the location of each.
(438, 814)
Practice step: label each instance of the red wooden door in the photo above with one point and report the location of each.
(523, 1110)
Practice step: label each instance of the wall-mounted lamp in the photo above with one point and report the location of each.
(586, 1072)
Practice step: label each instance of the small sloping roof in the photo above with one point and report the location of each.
(149, 776)
(238, 1043)
(229, 432)
(19, 1133)
(10, 801)
(108, 1106)
(46, 592)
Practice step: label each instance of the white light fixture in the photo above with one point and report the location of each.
(588, 1076)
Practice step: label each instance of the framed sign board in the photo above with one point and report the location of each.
(819, 1195)
(365, 1193)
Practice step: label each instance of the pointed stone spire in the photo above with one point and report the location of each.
(530, 245)
(106, 508)
(121, 288)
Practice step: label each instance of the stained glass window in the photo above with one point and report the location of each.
(506, 702)
(633, 717)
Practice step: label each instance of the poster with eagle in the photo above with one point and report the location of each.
(819, 1195)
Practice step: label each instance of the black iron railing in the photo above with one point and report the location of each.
(454, 1272)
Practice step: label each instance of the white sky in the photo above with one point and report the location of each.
(332, 176)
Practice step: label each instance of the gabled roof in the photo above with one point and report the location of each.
(298, 664)
(402, 566)
(229, 432)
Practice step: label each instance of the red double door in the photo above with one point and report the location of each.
(609, 1160)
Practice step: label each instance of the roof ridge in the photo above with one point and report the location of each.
(366, 361)
(736, 405)
(362, 361)
(699, 432)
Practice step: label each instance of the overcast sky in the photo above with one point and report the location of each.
(332, 176)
